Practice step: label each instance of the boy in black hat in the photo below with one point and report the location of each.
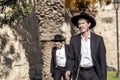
(87, 58)
(59, 58)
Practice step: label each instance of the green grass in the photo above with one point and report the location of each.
(111, 75)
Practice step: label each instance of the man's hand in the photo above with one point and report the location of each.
(67, 75)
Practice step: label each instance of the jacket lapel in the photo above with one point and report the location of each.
(66, 50)
(92, 43)
(54, 56)
(79, 47)
(79, 43)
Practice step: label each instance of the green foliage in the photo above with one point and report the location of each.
(111, 75)
(16, 13)
(7, 2)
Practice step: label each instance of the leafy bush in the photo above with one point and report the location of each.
(14, 11)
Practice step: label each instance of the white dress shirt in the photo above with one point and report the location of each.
(86, 58)
(61, 56)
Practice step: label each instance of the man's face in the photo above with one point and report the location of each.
(58, 44)
(83, 25)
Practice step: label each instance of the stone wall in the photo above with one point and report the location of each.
(20, 51)
(46, 57)
(50, 23)
(50, 18)
(106, 27)
(25, 50)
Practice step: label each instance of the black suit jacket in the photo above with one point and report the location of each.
(53, 58)
(98, 53)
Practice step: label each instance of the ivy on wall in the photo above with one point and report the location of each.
(14, 11)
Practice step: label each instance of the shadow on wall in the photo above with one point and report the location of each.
(29, 31)
(34, 50)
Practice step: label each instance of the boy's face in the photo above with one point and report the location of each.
(83, 25)
(58, 44)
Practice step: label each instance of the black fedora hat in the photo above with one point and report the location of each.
(83, 15)
(58, 38)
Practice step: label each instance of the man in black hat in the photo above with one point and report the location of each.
(59, 58)
(87, 58)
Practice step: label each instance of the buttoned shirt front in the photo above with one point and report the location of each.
(61, 56)
(86, 58)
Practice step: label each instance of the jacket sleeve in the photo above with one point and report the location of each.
(71, 57)
(52, 64)
(102, 58)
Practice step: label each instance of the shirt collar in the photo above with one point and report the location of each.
(61, 47)
(89, 35)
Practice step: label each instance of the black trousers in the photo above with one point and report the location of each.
(59, 73)
(87, 74)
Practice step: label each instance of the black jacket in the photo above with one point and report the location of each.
(53, 58)
(98, 53)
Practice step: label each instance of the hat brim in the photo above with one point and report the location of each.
(75, 19)
(58, 40)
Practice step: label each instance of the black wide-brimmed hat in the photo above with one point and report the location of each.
(83, 15)
(58, 38)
